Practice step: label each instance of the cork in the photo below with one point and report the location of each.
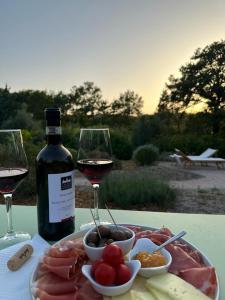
(20, 257)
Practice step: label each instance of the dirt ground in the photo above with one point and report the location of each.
(199, 189)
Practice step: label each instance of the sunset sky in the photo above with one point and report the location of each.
(117, 44)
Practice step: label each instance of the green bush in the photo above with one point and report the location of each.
(137, 188)
(146, 154)
(121, 145)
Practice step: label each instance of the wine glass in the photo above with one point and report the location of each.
(94, 160)
(13, 169)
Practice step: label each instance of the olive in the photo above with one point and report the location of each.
(109, 241)
(93, 237)
(119, 235)
(128, 234)
(105, 231)
(102, 242)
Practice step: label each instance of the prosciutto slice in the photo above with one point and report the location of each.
(203, 278)
(86, 292)
(54, 285)
(158, 237)
(181, 260)
(65, 272)
(63, 261)
(59, 276)
(42, 295)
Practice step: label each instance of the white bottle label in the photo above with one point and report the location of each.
(53, 130)
(61, 195)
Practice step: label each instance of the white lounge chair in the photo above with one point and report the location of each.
(206, 154)
(188, 160)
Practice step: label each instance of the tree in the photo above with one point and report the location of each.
(202, 81)
(128, 104)
(87, 100)
(8, 104)
(21, 119)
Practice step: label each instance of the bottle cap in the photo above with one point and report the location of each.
(53, 116)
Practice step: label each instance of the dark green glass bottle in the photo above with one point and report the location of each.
(55, 183)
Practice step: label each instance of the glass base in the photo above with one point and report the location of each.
(13, 238)
(91, 225)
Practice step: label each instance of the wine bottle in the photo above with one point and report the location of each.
(55, 183)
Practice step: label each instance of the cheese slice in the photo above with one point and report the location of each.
(159, 295)
(138, 291)
(144, 295)
(174, 287)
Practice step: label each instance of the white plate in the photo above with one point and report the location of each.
(81, 234)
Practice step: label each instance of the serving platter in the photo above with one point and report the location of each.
(80, 235)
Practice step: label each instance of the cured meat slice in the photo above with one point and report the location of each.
(158, 237)
(135, 228)
(86, 292)
(57, 252)
(54, 285)
(66, 272)
(60, 261)
(203, 278)
(68, 249)
(181, 260)
(193, 253)
(42, 295)
(143, 234)
(165, 231)
(155, 236)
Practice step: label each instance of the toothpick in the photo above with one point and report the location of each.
(111, 216)
(95, 224)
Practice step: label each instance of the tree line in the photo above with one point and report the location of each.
(83, 102)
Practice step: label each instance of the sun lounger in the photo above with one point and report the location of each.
(188, 160)
(208, 153)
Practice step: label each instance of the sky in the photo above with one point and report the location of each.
(117, 44)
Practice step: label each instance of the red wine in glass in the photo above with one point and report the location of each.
(95, 169)
(13, 169)
(10, 178)
(94, 160)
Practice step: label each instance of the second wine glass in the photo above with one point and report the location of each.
(94, 160)
(13, 169)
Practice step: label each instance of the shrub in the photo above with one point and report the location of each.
(146, 154)
(137, 188)
(121, 145)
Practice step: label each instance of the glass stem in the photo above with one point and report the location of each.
(8, 202)
(96, 215)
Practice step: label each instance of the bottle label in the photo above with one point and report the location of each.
(61, 192)
(53, 130)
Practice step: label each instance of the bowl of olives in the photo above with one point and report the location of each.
(116, 234)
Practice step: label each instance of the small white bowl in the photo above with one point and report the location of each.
(96, 253)
(145, 244)
(114, 290)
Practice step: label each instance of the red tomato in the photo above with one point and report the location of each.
(123, 274)
(105, 274)
(113, 255)
(95, 265)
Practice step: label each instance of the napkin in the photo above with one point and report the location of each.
(15, 285)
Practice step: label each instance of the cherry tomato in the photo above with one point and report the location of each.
(95, 265)
(113, 255)
(123, 274)
(105, 274)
